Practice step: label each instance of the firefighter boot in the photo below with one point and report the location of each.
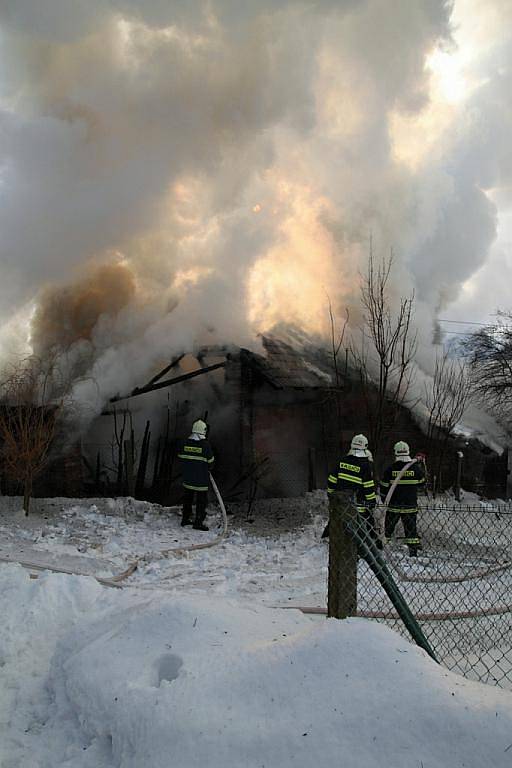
(186, 513)
(200, 512)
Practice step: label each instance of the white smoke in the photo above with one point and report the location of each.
(236, 157)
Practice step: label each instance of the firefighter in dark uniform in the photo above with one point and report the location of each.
(196, 459)
(409, 476)
(354, 476)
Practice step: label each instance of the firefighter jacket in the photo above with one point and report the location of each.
(196, 460)
(405, 495)
(354, 473)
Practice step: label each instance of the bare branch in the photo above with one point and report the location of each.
(489, 356)
(384, 358)
(337, 339)
(30, 411)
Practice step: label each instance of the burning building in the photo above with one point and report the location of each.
(278, 422)
(272, 418)
(278, 419)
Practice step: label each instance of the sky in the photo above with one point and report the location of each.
(174, 175)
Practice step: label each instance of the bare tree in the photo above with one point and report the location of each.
(121, 446)
(489, 355)
(337, 337)
(29, 415)
(447, 397)
(385, 355)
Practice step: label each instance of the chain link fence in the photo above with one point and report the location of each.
(458, 588)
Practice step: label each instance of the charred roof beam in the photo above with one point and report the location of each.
(168, 382)
(167, 368)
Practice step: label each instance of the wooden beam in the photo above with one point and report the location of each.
(173, 362)
(168, 382)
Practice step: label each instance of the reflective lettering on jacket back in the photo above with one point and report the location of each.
(350, 467)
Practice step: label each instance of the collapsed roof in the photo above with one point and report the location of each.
(283, 367)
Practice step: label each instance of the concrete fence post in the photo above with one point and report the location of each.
(460, 456)
(342, 579)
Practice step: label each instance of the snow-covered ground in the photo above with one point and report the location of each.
(111, 533)
(192, 663)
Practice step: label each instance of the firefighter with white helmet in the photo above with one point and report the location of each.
(403, 478)
(196, 459)
(354, 477)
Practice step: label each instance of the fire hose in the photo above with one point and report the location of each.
(498, 610)
(150, 556)
(370, 553)
(436, 579)
(397, 480)
(117, 579)
(481, 573)
(204, 545)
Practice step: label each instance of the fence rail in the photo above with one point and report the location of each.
(458, 587)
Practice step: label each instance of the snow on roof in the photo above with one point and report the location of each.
(482, 427)
(286, 367)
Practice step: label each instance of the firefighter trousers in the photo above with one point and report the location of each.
(367, 521)
(201, 501)
(366, 515)
(409, 522)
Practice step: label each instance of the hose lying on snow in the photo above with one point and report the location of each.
(193, 547)
(480, 573)
(498, 610)
(115, 581)
(369, 552)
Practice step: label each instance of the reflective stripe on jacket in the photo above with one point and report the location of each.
(196, 460)
(355, 473)
(405, 495)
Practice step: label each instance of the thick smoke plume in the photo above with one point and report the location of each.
(174, 174)
(69, 315)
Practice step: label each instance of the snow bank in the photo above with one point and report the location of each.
(95, 678)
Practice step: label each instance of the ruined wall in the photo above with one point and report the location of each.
(170, 412)
(268, 442)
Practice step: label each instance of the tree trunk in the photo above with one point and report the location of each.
(143, 462)
(27, 493)
(128, 465)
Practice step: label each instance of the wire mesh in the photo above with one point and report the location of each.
(458, 586)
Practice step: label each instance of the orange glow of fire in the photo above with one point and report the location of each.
(292, 281)
(186, 278)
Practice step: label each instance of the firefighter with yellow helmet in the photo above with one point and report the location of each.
(196, 459)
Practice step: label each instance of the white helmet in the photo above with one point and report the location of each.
(199, 428)
(359, 443)
(401, 448)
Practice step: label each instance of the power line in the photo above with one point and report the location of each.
(460, 322)
(457, 333)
